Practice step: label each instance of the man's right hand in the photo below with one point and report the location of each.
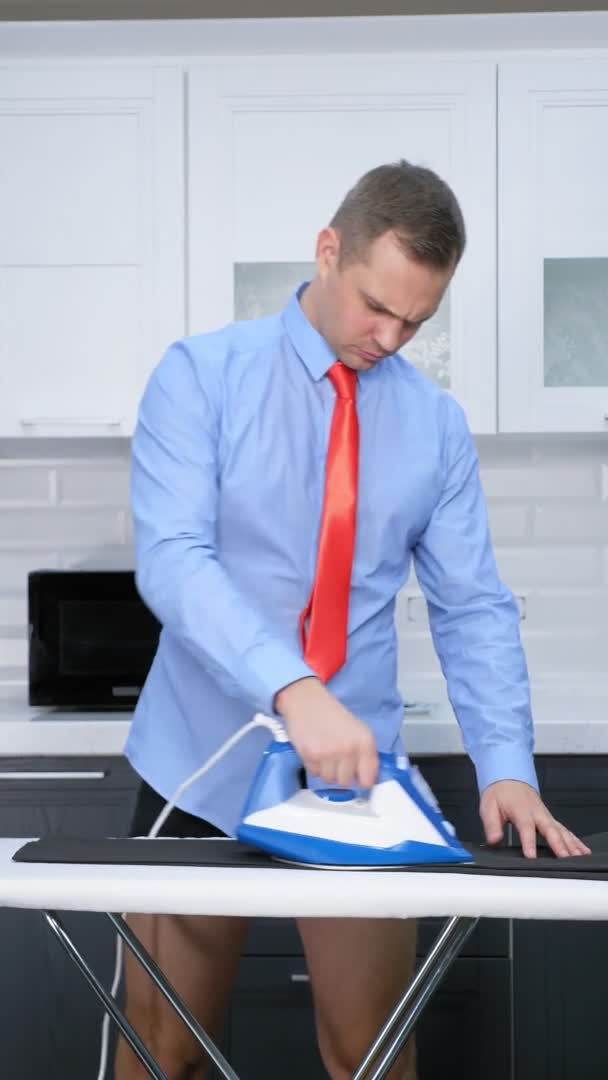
(332, 743)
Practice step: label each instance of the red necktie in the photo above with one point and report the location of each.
(324, 641)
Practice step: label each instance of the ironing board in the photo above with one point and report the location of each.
(461, 897)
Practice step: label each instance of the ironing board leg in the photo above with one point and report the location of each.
(407, 1011)
(169, 993)
(109, 1004)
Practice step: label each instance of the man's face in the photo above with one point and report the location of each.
(369, 310)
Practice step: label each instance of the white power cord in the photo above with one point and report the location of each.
(259, 720)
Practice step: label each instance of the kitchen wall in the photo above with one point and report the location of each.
(66, 501)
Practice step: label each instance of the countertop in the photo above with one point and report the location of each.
(568, 719)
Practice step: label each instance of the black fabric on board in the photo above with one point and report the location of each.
(169, 851)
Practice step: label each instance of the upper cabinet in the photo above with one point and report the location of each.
(274, 144)
(553, 245)
(91, 242)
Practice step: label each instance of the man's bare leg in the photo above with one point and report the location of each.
(359, 969)
(199, 956)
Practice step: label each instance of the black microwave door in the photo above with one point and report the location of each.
(92, 639)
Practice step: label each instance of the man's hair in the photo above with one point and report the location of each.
(412, 202)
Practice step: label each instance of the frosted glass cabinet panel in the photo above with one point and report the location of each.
(576, 322)
(264, 288)
(274, 144)
(553, 245)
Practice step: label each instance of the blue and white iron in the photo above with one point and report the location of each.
(398, 823)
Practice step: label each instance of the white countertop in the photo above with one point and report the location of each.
(568, 719)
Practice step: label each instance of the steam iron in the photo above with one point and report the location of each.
(398, 823)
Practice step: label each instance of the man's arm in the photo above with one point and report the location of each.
(474, 619)
(475, 627)
(174, 491)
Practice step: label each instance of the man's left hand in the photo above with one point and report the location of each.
(516, 802)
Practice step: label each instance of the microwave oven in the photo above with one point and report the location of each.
(91, 638)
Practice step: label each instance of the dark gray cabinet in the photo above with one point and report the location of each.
(50, 1021)
(560, 969)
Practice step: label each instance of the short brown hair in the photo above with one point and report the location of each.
(409, 200)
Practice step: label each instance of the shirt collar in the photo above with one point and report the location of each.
(310, 345)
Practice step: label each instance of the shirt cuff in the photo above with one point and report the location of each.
(275, 666)
(506, 762)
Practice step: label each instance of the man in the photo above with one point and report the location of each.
(285, 471)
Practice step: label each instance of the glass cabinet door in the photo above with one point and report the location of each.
(553, 245)
(275, 145)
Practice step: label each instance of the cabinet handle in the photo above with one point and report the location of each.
(299, 977)
(69, 421)
(606, 416)
(40, 775)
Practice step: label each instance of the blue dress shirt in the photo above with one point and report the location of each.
(228, 464)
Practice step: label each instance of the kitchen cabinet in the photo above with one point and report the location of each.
(92, 252)
(553, 244)
(50, 1022)
(100, 182)
(560, 969)
(464, 1032)
(275, 143)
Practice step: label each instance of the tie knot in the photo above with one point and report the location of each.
(343, 380)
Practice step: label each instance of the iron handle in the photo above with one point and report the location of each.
(299, 977)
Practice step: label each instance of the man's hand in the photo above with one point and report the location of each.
(331, 742)
(518, 803)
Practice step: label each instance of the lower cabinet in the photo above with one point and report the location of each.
(523, 1001)
(50, 1020)
(271, 1027)
(465, 1032)
(560, 969)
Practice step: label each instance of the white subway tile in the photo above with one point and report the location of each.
(97, 558)
(15, 565)
(24, 484)
(13, 611)
(559, 521)
(574, 650)
(411, 614)
(93, 485)
(129, 528)
(508, 521)
(13, 684)
(521, 568)
(535, 482)
(579, 608)
(546, 653)
(13, 652)
(62, 527)
(504, 451)
(417, 656)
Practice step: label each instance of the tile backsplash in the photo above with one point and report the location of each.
(64, 502)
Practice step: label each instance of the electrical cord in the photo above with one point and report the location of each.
(259, 720)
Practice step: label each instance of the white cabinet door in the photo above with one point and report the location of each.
(274, 144)
(91, 242)
(553, 245)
